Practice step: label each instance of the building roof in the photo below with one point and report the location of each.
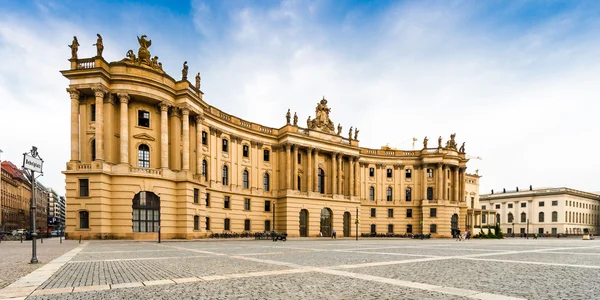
(539, 192)
(13, 171)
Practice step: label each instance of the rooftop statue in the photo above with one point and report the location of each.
(339, 129)
(143, 58)
(308, 122)
(295, 119)
(356, 133)
(143, 52)
(451, 144)
(288, 117)
(99, 45)
(350, 133)
(184, 71)
(198, 80)
(425, 142)
(440, 142)
(74, 47)
(462, 148)
(322, 121)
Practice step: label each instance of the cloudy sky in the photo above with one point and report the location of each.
(518, 81)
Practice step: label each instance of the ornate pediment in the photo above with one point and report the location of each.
(143, 136)
(143, 58)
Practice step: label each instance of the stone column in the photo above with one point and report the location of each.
(424, 177)
(316, 170)
(309, 173)
(461, 179)
(333, 173)
(351, 173)
(340, 175)
(124, 128)
(74, 94)
(288, 166)
(109, 125)
(439, 172)
(99, 92)
(295, 167)
(455, 186)
(356, 177)
(175, 128)
(164, 136)
(400, 191)
(185, 114)
(199, 143)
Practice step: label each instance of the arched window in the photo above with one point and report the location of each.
(225, 175)
(554, 216)
(266, 182)
(204, 167)
(523, 217)
(93, 149)
(541, 217)
(371, 193)
(389, 193)
(429, 193)
(510, 218)
(408, 194)
(84, 219)
(245, 179)
(146, 212)
(196, 223)
(143, 156)
(321, 181)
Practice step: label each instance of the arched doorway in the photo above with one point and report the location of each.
(146, 212)
(454, 224)
(326, 221)
(304, 223)
(347, 224)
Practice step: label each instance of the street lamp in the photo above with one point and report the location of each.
(513, 230)
(356, 223)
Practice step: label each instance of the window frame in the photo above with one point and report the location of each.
(86, 186)
(433, 212)
(409, 213)
(225, 175)
(247, 204)
(142, 120)
(247, 224)
(84, 219)
(227, 224)
(245, 179)
(267, 205)
(390, 212)
(371, 172)
(408, 173)
(204, 138)
(389, 173)
(389, 194)
(196, 195)
(196, 222)
(226, 202)
(373, 212)
(143, 156)
(266, 182)
(245, 151)
(372, 193)
(266, 155)
(225, 145)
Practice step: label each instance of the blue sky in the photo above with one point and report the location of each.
(516, 80)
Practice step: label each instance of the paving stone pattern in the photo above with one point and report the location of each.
(330, 269)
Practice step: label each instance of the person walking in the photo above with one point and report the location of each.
(333, 233)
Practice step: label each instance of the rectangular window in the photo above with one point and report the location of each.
(246, 225)
(389, 173)
(390, 228)
(225, 145)
(483, 207)
(196, 223)
(509, 230)
(84, 188)
(429, 173)
(267, 225)
(299, 158)
(409, 212)
(371, 172)
(204, 138)
(143, 118)
(510, 205)
(497, 206)
(408, 173)
(390, 212)
(541, 204)
(523, 204)
(226, 202)
(227, 224)
(433, 228)
(267, 205)
(373, 212)
(207, 223)
(246, 204)
(266, 155)
(245, 151)
(207, 199)
(433, 212)
(93, 112)
(554, 231)
(84, 220)
(522, 230)
(196, 195)
(373, 228)
(409, 228)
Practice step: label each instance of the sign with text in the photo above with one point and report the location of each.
(31, 163)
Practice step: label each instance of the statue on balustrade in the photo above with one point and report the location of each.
(99, 45)
(143, 58)
(308, 122)
(322, 121)
(440, 142)
(295, 119)
(462, 148)
(198, 80)
(184, 71)
(288, 117)
(356, 133)
(74, 47)
(350, 133)
(339, 129)
(451, 144)
(143, 52)
(425, 142)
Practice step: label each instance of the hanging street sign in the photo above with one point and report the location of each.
(32, 163)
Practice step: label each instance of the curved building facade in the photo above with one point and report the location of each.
(147, 151)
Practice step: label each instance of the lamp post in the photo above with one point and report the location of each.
(60, 232)
(527, 228)
(32, 162)
(356, 223)
(513, 230)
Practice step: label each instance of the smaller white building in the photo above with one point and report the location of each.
(544, 210)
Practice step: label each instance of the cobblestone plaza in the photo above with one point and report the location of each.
(318, 269)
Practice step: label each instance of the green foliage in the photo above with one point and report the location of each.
(499, 232)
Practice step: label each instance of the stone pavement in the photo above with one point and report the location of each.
(320, 269)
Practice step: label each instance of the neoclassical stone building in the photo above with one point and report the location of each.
(147, 150)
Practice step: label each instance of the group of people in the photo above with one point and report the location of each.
(462, 237)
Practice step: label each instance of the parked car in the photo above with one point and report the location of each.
(54, 233)
(18, 231)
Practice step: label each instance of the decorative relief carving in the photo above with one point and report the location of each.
(144, 136)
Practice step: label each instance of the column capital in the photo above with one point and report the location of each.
(174, 112)
(110, 98)
(185, 111)
(399, 166)
(74, 93)
(258, 144)
(99, 90)
(123, 97)
(379, 166)
(463, 169)
(199, 117)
